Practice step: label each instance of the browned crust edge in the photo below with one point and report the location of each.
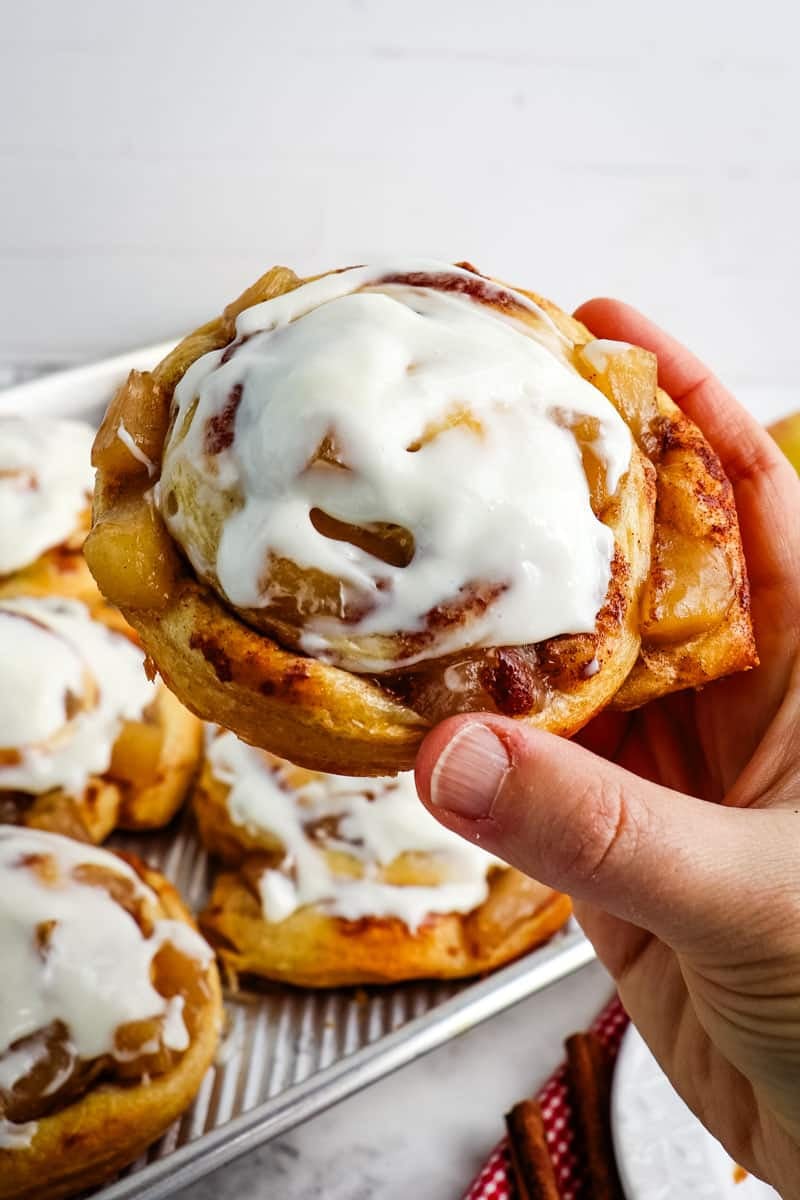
(730, 645)
(312, 949)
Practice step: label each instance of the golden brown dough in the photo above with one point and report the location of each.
(312, 949)
(689, 574)
(84, 1143)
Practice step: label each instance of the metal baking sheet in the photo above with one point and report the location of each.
(287, 1053)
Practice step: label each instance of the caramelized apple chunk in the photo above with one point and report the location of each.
(139, 1050)
(391, 544)
(54, 1076)
(132, 556)
(586, 432)
(136, 753)
(139, 414)
(629, 379)
(689, 590)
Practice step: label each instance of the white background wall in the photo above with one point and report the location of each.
(155, 156)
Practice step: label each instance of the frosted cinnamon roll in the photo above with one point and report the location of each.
(87, 742)
(363, 502)
(110, 1014)
(46, 483)
(342, 880)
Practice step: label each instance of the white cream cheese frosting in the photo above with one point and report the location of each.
(376, 820)
(69, 683)
(46, 482)
(373, 362)
(94, 975)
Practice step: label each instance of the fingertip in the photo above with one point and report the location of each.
(603, 314)
(606, 317)
(431, 750)
(472, 751)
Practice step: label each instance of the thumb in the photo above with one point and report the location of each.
(669, 863)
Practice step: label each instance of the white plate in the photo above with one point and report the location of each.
(662, 1150)
(80, 391)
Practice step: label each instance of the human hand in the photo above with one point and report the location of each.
(676, 828)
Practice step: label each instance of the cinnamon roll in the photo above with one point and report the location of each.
(46, 483)
(87, 742)
(359, 503)
(110, 1016)
(342, 880)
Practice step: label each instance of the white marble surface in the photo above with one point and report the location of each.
(422, 1133)
(156, 157)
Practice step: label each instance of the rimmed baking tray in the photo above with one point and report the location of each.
(287, 1053)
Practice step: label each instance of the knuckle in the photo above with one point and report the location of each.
(602, 828)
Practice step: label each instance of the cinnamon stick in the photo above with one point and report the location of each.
(530, 1158)
(589, 1079)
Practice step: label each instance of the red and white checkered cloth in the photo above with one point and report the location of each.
(495, 1180)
